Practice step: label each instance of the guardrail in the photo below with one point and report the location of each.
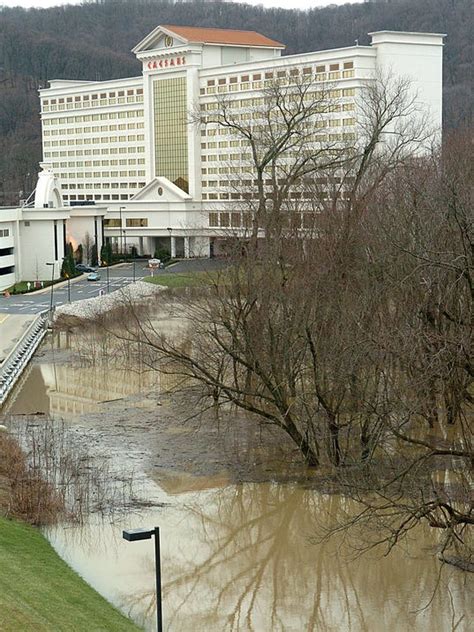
(13, 365)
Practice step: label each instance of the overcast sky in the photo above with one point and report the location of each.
(293, 4)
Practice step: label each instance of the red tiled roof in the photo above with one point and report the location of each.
(195, 34)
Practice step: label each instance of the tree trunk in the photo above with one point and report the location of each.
(309, 453)
(334, 446)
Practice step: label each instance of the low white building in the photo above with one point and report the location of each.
(34, 236)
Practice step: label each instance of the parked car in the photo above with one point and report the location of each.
(93, 276)
(80, 267)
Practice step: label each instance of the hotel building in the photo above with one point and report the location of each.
(129, 146)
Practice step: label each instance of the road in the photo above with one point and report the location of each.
(118, 277)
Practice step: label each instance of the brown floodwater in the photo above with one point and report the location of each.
(240, 558)
(235, 556)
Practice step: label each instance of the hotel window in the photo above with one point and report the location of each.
(348, 92)
(137, 222)
(225, 220)
(213, 219)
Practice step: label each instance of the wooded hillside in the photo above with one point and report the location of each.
(93, 41)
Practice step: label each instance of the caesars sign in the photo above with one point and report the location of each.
(166, 63)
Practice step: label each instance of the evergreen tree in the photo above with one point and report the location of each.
(94, 255)
(68, 268)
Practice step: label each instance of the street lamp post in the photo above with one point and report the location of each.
(170, 230)
(122, 232)
(108, 282)
(48, 263)
(133, 535)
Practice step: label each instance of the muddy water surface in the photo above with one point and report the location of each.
(236, 554)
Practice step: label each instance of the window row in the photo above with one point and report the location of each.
(101, 139)
(106, 116)
(96, 163)
(111, 139)
(93, 96)
(140, 149)
(242, 82)
(307, 194)
(130, 222)
(103, 174)
(100, 185)
(313, 96)
(310, 180)
(93, 152)
(235, 219)
(106, 197)
(74, 103)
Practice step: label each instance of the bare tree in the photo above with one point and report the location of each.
(289, 334)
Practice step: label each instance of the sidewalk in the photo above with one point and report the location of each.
(12, 328)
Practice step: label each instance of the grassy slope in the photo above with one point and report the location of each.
(39, 592)
(185, 279)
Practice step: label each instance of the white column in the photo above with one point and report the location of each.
(186, 247)
(173, 247)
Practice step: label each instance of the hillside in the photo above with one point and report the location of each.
(93, 41)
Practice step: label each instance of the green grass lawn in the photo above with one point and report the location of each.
(22, 286)
(39, 592)
(185, 279)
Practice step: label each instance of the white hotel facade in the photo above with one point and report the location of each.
(127, 152)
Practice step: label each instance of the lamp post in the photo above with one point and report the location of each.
(122, 231)
(108, 282)
(48, 263)
(67, 278)
(133, 535)
(170, 230)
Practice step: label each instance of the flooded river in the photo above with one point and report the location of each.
(235, 555)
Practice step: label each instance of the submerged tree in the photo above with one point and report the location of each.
(287, 334)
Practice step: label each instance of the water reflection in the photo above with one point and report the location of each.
(239, 558)
(65, 390)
